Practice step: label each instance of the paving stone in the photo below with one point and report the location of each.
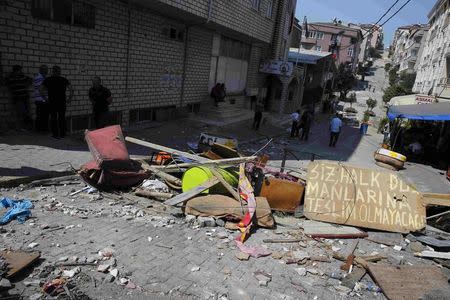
(206, 222)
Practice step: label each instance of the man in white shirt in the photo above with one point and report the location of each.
(42, 112)
(295, 116)
(335, 129)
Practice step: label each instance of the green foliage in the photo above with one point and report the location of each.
(370, 113)
(371, 103)
(344, 81)
(366, 117)
(383, 122)
(393, 91)
(374, 53)
(393, 77)
(387, 67)
(406, 81)
(350, 110)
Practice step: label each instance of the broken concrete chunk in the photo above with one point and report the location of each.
(397, 248)
(195, 269)
(206, 222)
(123, 281)
(301, 271)
(114, 272)
(277, 255)
(416, 247)
(190, 218)
(220, 222)
(5, 284)
(109, 278)
(103, 268)
(63, 258)
(342, 289)
(396, 259)
(33, 245)
(242, 256)
(300, 255)
(262, 277)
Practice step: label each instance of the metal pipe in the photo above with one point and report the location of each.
(210, 6)
(183, 75)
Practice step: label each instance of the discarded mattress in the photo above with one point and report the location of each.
(220, 206)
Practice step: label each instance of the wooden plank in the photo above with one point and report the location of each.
(18, 260)
(229, 188)
(161, 174)
(407, 282)
(192, 193)
(153, 195)
(217, 162)
(344, 194)
(436, 199)
(320, 229)
(166, 149)
(433, 254)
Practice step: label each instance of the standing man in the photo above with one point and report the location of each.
(215, 91)
(100, 98)
(335, 129)
(306, 125)
(39, 100)
(19, 85)
(295, 116)
(56, 87)
(258, 117)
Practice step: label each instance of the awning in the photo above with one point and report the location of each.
(412, 99)
(426, 112)
(306, 56)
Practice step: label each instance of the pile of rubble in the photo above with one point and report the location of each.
(359, 231)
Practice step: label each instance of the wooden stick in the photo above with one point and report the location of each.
(166, 149)
(160, 173)
(218, 162)
(226, 185)
(157, 195)
(193, 192)
(438, 215)
(282, 240)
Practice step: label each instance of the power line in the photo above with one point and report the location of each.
(389, 9)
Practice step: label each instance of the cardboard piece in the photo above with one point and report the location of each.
(407, 282)
(343, 194)
(18, 260)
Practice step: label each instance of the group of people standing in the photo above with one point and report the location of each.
(51, 100)
(302, 122)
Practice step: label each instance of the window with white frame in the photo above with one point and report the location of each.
(350, 52)
(269, 10)
(319, 35)
(318, 48)
(256, 4)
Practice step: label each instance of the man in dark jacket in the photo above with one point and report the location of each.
(55, 87)
(100, 98)
(19, 85)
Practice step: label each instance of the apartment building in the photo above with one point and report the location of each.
(155, 56)
(408, 46)
(343, 40)
(433, 70)
(372, 38)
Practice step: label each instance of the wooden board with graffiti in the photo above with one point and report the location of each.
(343, 194)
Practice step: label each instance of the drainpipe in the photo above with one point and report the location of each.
(127, 67)
(183, 75)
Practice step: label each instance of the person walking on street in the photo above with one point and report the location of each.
(306, 125)
(42, 112)
(19, 85)
(222, 92)
(100, 98)
(335, 129)
(215, 94)
(56, 87)
(295, 116)
(258, 117)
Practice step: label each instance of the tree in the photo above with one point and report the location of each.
(393, 77)
(371, 103)
(393, 91)
(406, 81)
(374, 53)
(344, 81)
(387, 67)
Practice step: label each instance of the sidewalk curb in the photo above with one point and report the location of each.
(15, 181)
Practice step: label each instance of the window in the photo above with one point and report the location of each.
(64, 11)
(319, 35)
(318, 48)
(256, 4)
(269, 10)
(350, 52)
(234, 48)
(173, 33)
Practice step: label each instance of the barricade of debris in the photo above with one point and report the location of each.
(358, 231)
